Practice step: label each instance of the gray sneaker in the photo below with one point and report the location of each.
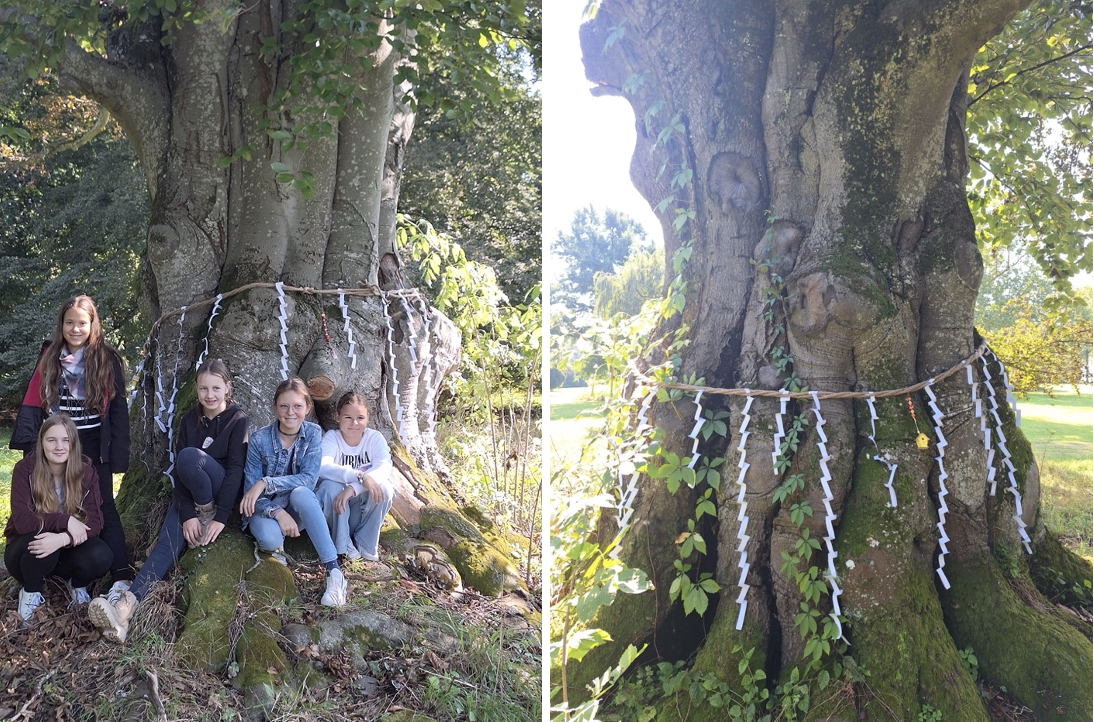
(79, 595)
(28, 602)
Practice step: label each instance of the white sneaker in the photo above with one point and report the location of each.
(115, 592)
(370, 557)
(80, 596)
(29, 601)
(113, 619)
(352, 554)
(335, 596)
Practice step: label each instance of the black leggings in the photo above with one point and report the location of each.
(112, 532)
(80, 564)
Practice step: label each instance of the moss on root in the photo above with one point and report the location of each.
(1043, 662)
(1059, 573)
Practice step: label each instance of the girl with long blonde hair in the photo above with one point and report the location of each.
(56, 518)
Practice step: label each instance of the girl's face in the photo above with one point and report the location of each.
(76, 329)
(56, 444)
(352, 422)
(212, 394)
(291, 409)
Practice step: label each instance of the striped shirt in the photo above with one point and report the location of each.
(74, 407)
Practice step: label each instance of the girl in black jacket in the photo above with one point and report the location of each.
(211, 452)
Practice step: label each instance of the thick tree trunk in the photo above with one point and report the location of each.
(844, 126)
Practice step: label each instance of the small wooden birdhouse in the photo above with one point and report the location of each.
(922, 442)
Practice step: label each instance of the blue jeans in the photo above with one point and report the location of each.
(361, 520)
(302, 505)
(201, 476)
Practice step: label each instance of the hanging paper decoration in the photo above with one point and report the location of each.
(137, 375)
(427, 380)
(829, 514)
(994, 411)
(282, 319)
(209, 331)
(347, 330)
(780, 433)
(877, 456)
(412, 347)
(943, 509)
(159, 390)
(391, 364)
(742, 515)
(699, 421)
(627, 492)
(171, 403)
(1010, 393)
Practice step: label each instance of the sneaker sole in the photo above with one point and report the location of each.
(103, 618)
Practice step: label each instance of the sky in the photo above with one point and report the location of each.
(587, 141)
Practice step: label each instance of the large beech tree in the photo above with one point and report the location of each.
(809, 160)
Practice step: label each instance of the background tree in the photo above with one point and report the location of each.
(810, 165)
(593, 245)
(271, 140)
(640, 279)
(474, 168)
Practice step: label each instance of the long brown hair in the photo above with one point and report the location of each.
(99, 360)
(43, 492)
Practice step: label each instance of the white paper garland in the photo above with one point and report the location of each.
(347, 329)
(427, 379)
(412, 346)
(628, 490)
(694, 435)
(137, 378)
(391, 363)
(209, 332)
(282, 318)
(160, 399)
(780, 433)
(1010, 393)
(994, 411)
(943, 509)
(829, 515)
(170, 411)
(878, 457)
(742, 515)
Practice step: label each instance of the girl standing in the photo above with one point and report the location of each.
(55, 518)
(211, 451)
(354, 481)
(80, 375)
(279, 485)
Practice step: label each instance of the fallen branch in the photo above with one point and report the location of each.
(156, 700)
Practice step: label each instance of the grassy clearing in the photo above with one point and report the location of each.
(575, 423)
(1059, 426)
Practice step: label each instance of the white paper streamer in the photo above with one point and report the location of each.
(742, 515)
(877, 456)
(391, 363)
(427, 379)
(159, 390)
(347, 330)
(829, 515)
(412, 335)
(699, 422)
(171, 402)
(282, 318)
(137, 376)
(943, 509)
(628, 490)
(1002, 445)
(780, 433)
(1010, 393)
(208, 332)
(994, 411)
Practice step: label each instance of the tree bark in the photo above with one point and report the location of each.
(827, 144)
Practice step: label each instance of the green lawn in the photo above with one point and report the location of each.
(1059, 427)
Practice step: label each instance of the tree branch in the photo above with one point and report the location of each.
(1030, 69)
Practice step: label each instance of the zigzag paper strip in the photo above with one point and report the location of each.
(159, 391)
(411, 334)
(627, 493)
(742, 517)
(391, 363)
(993, 411)
(699, 422)
(282, 319)
(829, 515)
(877, 456)
(937, 416)
(208, 332)
(430, 414)
(347, 329)
(171, 403)
(137, 375)
(1010, 392)
(780, 433)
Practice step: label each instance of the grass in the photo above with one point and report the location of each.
(1059, 426)
(575, 422)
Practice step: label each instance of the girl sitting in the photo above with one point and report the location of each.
(279, 485)
(56, 518)
(354, 481)
(211, 451)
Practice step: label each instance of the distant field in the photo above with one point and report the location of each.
(1059, 427)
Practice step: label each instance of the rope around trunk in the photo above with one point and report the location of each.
(777, 394)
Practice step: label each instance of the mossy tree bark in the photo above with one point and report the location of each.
(827, 141)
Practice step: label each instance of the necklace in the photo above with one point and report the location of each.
(285, 433)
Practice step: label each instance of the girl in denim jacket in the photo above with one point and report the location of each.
(279, 485)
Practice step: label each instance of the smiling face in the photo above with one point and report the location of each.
(212, 394)
(56, 445)
(352, 422)
(291, 409)
(76, 328)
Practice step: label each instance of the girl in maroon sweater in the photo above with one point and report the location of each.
(56, 518)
